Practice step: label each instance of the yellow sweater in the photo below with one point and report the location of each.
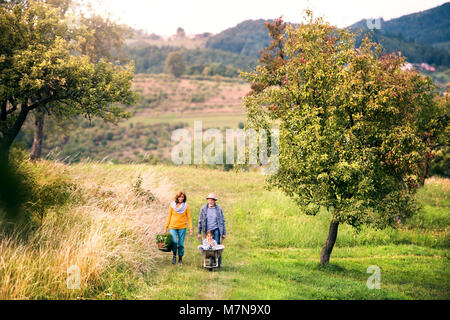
(177, 220)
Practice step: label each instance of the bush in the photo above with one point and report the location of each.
(33, 188)
(141, 193)
(197, 98)
(441, 164)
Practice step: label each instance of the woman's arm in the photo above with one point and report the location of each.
(188, 214)
(168, 220)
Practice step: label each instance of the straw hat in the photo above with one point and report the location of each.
(211, 196)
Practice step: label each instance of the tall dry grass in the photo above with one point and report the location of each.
(108, 233)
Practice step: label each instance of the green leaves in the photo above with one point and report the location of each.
(175, 64)
(43, 64)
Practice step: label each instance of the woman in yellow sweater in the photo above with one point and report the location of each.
(179, 217)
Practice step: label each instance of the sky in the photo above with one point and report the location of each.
(163, 17)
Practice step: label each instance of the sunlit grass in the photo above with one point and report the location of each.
(108, 234)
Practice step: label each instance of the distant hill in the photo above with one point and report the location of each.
(415, 52)
(246, 38)
(421, 37)
(151, 59)
(429, 27)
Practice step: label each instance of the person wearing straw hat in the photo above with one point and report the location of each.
(211, 218)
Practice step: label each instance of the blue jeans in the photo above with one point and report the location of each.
(178, 236)
(217, 238)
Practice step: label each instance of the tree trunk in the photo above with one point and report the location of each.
(329, 244)
(8, 135)
(425, 173)
(4, 155)
(36, 149)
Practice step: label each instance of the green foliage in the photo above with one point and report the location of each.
(43, 65)
(417, 36)
(441, 164)
(413, 51)
(351, 125)
(35, 192)
(165, 238)
(151, 59)
(175, 64)
(197, 97)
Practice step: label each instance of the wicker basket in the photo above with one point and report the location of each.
(163, 244)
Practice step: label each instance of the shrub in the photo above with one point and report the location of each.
(32, 190)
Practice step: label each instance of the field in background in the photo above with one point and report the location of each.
(187, 42)
(272, 250)
(163, 93)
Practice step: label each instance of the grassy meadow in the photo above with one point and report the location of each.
(108, 227)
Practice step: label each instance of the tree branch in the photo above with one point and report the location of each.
(3, 110)
(14, 106)
(42, 102)
(12, 132)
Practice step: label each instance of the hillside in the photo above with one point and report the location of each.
(246, 38)
(431, 27)
(151, 59)
(166, 104)
(209, 90)
(421, 37)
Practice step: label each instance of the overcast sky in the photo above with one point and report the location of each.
(163, 17)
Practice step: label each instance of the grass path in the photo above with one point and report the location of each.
(192, 281)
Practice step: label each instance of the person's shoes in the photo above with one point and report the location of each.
(174, 259)
(180, 260)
